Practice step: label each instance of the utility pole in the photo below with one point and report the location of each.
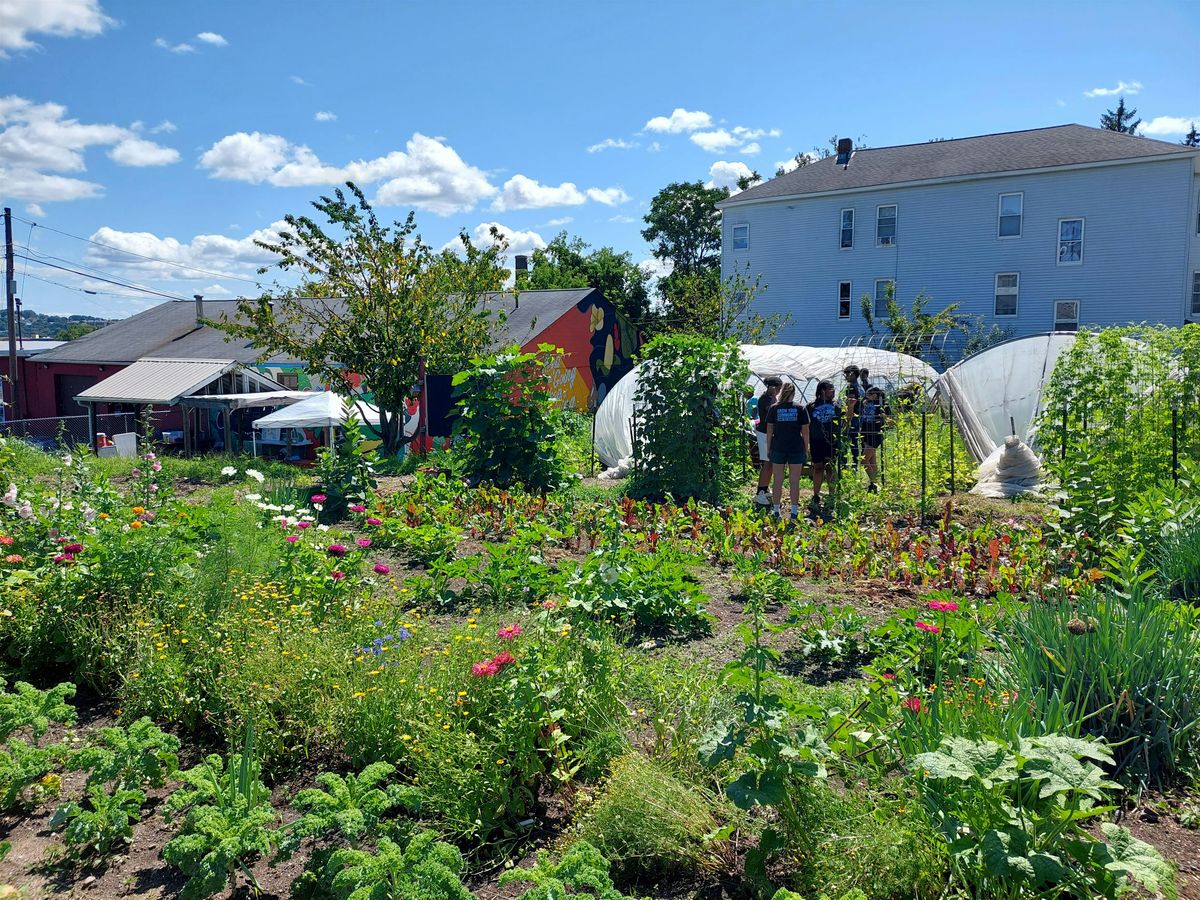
(10, 296)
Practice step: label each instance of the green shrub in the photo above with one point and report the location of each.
(582, 870)
(425, 869)
(649, 823)
(690, 415)
(346, 474)
(1178, 563)
(1125, 664)
(507, 429)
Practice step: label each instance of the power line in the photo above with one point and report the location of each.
(132, 287)
(166, 262)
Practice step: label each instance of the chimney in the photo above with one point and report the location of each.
(199, 308)
(520, 265)
(845, 149)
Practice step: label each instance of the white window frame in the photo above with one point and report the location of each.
(1000, 216)
(842, 229)
(1195, 295)
(1058, 241)
(881, 296)
(1015, 293)
(734, 236)
(879, 241)
(1057, 320)
(849, 302)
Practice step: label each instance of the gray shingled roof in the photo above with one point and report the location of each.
(168, 330)
(532, 312)
(1061, 145)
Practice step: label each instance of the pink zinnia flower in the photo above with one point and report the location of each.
(336, 550)
(913, 704)
(318, 498)
(509, 633)
(292, 538)
(374, 521)
(337, 576)
(549, 604)
(358, 507)
(64, 558)
(73, 548)
(925, 626)
(304, 524)
(150, 456)
(502, 659)
(13, 558)
(484, 669)
(889, 676)
(381, 569)
(363, 542)
(943, 606)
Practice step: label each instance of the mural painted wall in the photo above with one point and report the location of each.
(599, 347)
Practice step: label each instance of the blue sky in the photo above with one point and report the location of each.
(180, 131)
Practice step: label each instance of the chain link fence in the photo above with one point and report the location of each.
(58, 433)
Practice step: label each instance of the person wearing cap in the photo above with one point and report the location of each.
(855, 393)
(768, 399)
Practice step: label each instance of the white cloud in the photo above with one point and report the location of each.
(1061, 103)
(751, 149)
(427, 174)
(522, 192)
(325, 116)
(136, 151)
(251, 157)
(215, 292)
(726, 174)
(1122, 88)
(37, 140)
(211, 37)
(622, 220)
(608, 196)
(296, 79)
(556, 223)
(166, 126)
(60, 18)
(789, 164)
(182, 47)
(753, 134)
(523, 242)
(213, 253)
(657, 269)
(679, 121)
(1169, 125)
(612, 144)
(655, 147)
(34, 210)
(714, 141)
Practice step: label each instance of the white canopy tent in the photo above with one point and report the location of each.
(323, 409)
(804, 366)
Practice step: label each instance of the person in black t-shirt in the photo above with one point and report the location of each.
(765, 402)
(827, 422)
(872, 417)
(788, 438)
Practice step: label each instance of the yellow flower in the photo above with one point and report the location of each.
(406, 737)
(500, 762)
(136, 523)
(138, 510)
(359, 695)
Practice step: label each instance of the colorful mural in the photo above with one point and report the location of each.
(599, 345)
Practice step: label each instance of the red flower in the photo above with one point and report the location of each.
(889, 676)
(502, 659)
(943, 606)
(5, 540)
(509, 633)
(318, 498)
(484, 669)
(925, 626)
(73, 548)
(913, 704)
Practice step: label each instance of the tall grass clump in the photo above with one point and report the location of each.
(1178, 564)
(1122, 662)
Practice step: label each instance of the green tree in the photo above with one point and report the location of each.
(703, 304)
(393, 302)
(567, 263)
(913, 330)
(748, 181)
(75, 330)
(1120, 119)
(1192, 138)
(684, 227)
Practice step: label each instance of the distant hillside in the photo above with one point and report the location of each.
(59, 328)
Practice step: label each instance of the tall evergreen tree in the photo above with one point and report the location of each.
(1192, 138)
(1120, 119)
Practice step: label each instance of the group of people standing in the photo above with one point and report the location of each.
(791, 434)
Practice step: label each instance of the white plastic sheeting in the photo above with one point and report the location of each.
(322, 409)
(1012, 469)
(998, 392)
(804, 366)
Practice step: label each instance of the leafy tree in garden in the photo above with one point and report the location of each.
(567, 263)
(912, 330)
(690, 415)
(393, 301)
(684, 229)
(1120, 119)
(1192, 138)
(703, 304)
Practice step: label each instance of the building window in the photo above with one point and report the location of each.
(1196, 293)
(1007, 286)
(1070, 242)
(1011, 209)
(741, 237)
(847, 229)
(844, 294)
(885, 226)
(290, 380)
(1066, 315)
(884, 287)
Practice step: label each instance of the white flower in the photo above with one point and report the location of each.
(253, 497)
(322, 528)
(26, 510)
(255, 474)
(288, 507)
(10, 496)
(229, 471)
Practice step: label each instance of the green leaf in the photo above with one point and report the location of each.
(1138, 860)
(756, 789)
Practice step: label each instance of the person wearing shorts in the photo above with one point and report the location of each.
(765, 402)
(787, 439)
(826, 421)
(872, 418)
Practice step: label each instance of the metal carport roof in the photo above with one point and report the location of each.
(165, 382)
